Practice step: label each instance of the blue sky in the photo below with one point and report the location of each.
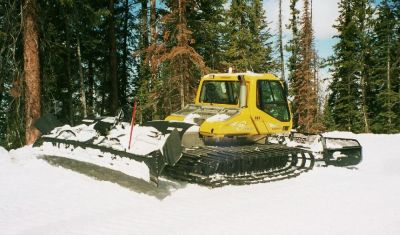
(325, 13)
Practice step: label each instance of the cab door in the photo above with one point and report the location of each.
(271, 114)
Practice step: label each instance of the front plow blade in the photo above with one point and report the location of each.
(109, 147)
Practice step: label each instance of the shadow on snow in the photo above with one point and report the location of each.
(164, 189)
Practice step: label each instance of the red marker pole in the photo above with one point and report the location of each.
(132, 123)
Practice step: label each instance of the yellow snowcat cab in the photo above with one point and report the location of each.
(245, 105)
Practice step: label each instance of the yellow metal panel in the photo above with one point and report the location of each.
(263, 121)
(240, 124)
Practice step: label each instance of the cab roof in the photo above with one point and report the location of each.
(234, 76)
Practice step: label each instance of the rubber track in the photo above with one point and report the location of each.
(219, 166)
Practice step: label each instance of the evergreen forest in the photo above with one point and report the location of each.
(85, 58)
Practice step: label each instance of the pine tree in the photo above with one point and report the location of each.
(68, 77)
(384, 69)
(178, 55)
(125, 53)
(73, 60)
(146, 63)
(248, 45)
(303, 70)
(280, 43)
(350, 91)
(261, 48)
(204, 27)
(306, 106)
(396, 70)
(293, 47)
(113, 59)
(205, 19)
(237, 36)
(12, 125)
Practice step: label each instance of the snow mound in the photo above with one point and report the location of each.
(3, 152)
(3, 156)
(24, 154)
(39, 198)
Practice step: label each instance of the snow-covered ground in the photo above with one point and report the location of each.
(59, 196)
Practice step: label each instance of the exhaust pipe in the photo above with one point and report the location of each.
(243, 92)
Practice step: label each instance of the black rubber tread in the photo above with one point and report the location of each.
(219, 166)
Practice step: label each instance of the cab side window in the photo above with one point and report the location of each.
(271, 99)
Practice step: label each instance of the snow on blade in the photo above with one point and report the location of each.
(339, 143)
(312, 143)
(144, 140)
(80, 133)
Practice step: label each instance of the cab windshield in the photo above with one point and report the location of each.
(220, 92)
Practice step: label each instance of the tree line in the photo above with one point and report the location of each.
(365, 88)
(89, 58)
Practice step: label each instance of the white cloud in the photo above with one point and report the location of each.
(271, 8)
(325, 13)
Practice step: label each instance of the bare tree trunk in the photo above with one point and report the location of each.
(153, 32)
(144, 40)
(68, 72)
(364, 108)
(2, 83)
(282, 61)
(316, 81)
(181, 85)
(124, 81)
(144, 24)
(153, 21)
(397, 64)
(351, 107)
(31, 70)
(364, 104)
(103, 95)
(388, 81)
(311, 12)
(182, 91)
(188, 92)
(169, 100)
(82, 83)
(91, 87)
(113, 60)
